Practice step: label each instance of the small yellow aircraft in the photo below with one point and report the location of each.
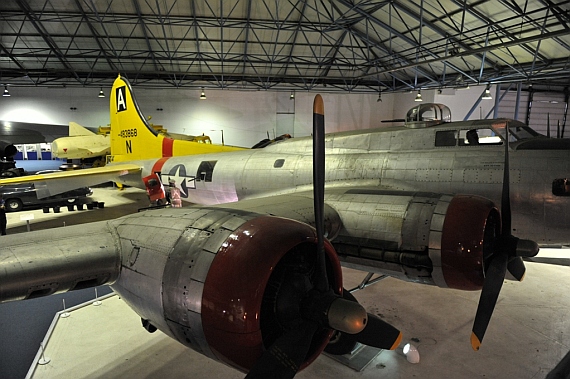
(83, 144)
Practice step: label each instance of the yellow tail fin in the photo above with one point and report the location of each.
(132, 138)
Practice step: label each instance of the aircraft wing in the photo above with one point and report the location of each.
(209, 250)
(58, 182)
(27, 132)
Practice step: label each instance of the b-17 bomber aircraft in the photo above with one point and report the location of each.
(247, 277)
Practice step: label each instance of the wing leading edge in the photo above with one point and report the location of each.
(59, 182)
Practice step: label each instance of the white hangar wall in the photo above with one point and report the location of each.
(458, 101)
(246, 117)
(55, 106)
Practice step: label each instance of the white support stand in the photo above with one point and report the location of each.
(96, 302)
(43, 360)
(64, 314)
(27, 217)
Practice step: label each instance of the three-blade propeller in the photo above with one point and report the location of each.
(320, 308)
(507, 252)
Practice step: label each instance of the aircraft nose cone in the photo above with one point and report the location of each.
(56, 149)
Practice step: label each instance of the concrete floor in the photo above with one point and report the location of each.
(117, 204)
(528, 334)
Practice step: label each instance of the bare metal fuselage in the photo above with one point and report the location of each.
(392, 159)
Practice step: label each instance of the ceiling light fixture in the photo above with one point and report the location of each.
(203, 95)
(461, 84)
(487, 94)
(292, 96)
(6, 93)
(419, 96)
(379, 99)
(101, 93)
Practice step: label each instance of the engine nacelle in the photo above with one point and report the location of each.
(421, 237)
(207, 277)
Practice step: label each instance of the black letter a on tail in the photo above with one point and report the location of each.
(121, 97)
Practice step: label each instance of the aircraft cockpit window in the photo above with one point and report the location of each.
(279, 163)
(446, 138)
(522, 132)
(561, 187)
(477, 137)
(517, 130)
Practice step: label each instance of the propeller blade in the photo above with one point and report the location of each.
(550, 261)
(489, 295)
(507, 254)
(321, 281)
(516, 268)
(526, 248)
(506, 196)
(561, 370)
(378, 333)
(283, 359)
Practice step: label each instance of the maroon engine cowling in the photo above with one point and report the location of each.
(469, 230)
(237, 280)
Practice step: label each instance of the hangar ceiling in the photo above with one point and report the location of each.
(344, 45)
